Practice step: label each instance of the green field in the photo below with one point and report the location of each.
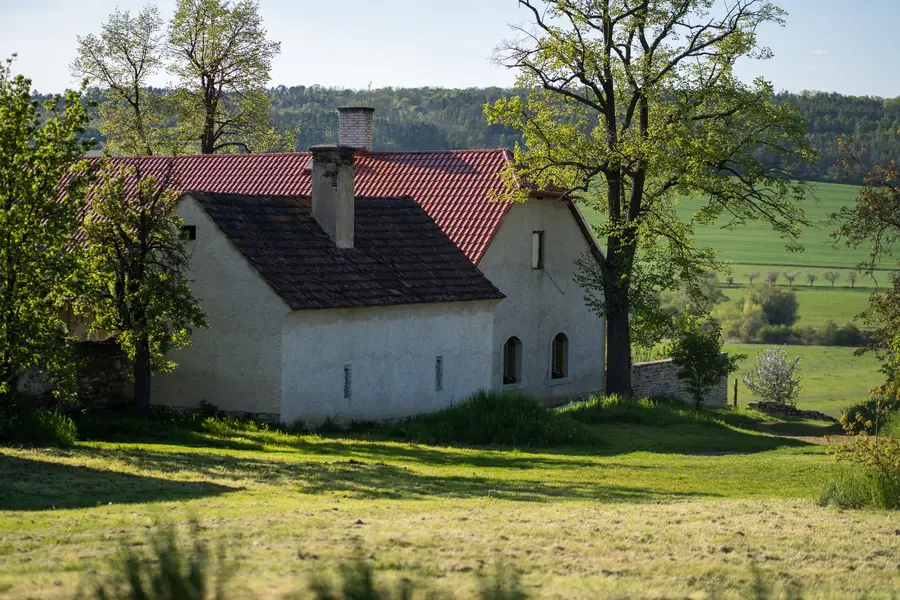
(678, 511)
(832, 378)
(816, 305)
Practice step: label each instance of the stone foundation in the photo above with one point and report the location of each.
(660, 378)
(791, 412)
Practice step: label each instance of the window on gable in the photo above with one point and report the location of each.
(559, 361)
(439, 374)
(347, 382)
(189, 232)
(512, 361)
(537, 250)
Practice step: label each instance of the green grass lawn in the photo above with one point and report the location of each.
(833, 378)
(818, 305)
(645, 514)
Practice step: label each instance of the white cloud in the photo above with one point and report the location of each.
(820, 52)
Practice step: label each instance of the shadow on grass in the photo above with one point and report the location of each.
(356, 479)
(32, 485)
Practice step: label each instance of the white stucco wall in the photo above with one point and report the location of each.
(236, 363)
(542, 303)
(391, 352)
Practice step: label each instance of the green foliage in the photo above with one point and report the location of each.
(870, 415)
(775, 334)
(697, 350)
(872, 479)
(134, 266)
(779, 306)
(492, 418)
(23, 425)
(134, 119)
(855, 488)
(166, 570)
(37, 219)
(222, 60)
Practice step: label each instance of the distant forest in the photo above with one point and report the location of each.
(439, 119)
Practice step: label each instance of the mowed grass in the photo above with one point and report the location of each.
(607, 521)
(754, 246)
(832, 378)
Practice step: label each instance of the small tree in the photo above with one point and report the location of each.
(791, 276)
(135, 265)
(37, 151)
(811, 278)
(851, 276)
(730, 280)
(772, 277)
(779, 306)
(752, 276)
(774, 378)
(697, 350)
(831, 276)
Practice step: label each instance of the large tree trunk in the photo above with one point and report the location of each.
(142, 377)
(618, 351)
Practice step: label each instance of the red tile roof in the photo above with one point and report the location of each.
(453, 186)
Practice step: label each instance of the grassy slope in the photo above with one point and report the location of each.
(833, 378)
(612, 520)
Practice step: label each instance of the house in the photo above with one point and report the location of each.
(354, 284)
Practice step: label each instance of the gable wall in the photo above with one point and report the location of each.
(235, 364)
(541, 303)
(391, 351)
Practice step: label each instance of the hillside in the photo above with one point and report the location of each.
(432, 119)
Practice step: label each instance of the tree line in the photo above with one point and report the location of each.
(414, 119)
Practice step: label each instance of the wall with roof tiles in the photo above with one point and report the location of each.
(235, 364)
(541, 303)
(392, 355)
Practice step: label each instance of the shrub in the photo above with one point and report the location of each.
(697, 350)
(869, 416)
(493, 418)
(779, 306)
(27, 426)
(854, 488)
(774, 378)
(775, 334)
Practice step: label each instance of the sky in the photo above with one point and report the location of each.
(827, 45)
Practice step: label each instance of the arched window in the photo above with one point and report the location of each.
(559, 363)
(512, 361)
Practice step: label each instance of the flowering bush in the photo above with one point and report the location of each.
(774, 378)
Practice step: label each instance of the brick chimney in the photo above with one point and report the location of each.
(333, 201)
(356, 127)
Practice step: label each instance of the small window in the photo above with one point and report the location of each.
(189, 232)
(347, 382)
(559, 363)
(512, 361)
(439, 374)
(537, 250)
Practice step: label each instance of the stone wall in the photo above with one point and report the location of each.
(660, 378)
(102, 378)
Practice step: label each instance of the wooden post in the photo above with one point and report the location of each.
(735, 391)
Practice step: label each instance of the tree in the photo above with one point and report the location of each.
(697, 350)
(779, 306)
(851, 276)
(730, 280)
(633, 103)
(774, 378)
(37, 220)
(791, 276)
(772, 277)
(134, 265)
(121, 61)
(222, 59)
(831, 276)
(875, 219)
(752, 276)
(811, 278)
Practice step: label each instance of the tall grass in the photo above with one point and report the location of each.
(23, 425)
(493, 418)
(854, 487)
(653, 412)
